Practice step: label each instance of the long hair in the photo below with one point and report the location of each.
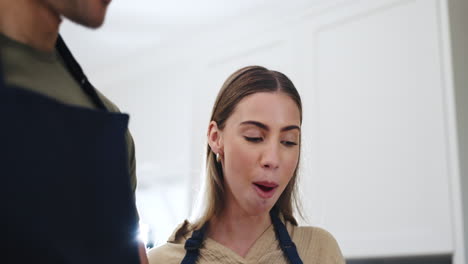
(242, 83)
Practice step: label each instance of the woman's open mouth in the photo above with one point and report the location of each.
(265, 189)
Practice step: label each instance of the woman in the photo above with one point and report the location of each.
(252, 160)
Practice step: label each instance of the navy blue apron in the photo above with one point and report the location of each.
(65, 194)
(193, 244)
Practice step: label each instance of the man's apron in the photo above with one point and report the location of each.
(65, 194)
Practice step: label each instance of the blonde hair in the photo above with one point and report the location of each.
(242, 83)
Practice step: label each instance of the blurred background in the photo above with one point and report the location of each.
(383, 85)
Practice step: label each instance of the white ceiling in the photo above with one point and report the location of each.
(141, 25)
(155, 20)
(182, 11)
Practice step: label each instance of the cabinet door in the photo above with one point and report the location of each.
(379, 179)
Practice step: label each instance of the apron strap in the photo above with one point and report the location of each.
(77, 73)
(286, 244)
(75, 70)
(193, 245)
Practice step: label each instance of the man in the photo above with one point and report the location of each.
(66, 160)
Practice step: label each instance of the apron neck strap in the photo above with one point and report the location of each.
(285, 242)
(75, 70)
(194, 243)
(77, 73)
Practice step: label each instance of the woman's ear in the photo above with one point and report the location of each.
(215, 139)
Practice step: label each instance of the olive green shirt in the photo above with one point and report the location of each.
(45, 73)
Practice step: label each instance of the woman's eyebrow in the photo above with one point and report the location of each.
(256, 123)
(265, 127)
(290, 128)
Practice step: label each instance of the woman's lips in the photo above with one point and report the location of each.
(265, 189)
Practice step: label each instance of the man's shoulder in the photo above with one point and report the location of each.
(108, 103)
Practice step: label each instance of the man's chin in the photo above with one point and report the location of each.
(89, 22)
(94, 23)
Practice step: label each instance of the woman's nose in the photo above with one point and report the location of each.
(270, 156)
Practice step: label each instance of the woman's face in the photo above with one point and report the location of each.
(260, 150)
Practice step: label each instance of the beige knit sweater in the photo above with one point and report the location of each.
(314, 245)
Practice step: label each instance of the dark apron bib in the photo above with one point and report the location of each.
(194, 243)
(65, 185)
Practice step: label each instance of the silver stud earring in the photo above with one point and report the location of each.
(218, 158)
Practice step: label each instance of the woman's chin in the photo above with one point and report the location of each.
(261, 208)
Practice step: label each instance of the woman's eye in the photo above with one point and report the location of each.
(289, 143)
(253, 139)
